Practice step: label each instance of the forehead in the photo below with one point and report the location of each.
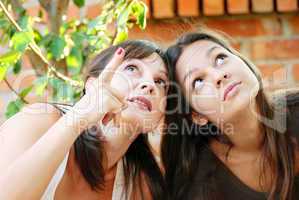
(195, 50)
(154, 61)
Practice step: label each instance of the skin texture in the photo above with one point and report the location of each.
(54, 135)
(205, 81)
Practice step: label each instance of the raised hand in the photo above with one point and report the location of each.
(101, 99)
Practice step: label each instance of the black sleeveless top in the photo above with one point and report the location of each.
(219, 183)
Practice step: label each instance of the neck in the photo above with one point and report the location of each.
(244, 130)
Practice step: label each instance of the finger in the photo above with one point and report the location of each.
(108, 72)
(107, 118)
(115, 94)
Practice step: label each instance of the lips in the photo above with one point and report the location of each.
(230, 88)
(142, 102)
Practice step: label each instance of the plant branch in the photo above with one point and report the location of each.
(37, 51)
(12, 89)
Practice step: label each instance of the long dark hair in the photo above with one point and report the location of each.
(139, 162)
(181, 152)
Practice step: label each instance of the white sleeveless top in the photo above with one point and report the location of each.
(118, 192)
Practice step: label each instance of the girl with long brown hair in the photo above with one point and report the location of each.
(96, 148)
(231, 141)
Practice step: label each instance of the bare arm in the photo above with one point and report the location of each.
(22, 163)
(44, 141)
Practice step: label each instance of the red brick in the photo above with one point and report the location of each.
(160, 31)
(273, 74)
(93, 10)
(163, 9)
(261, 6)
(188, 8)
(213, 7)
(236, 46)
(287, 5)
(238, 6)
(148, 4)
(73, 12)
(276, 49)
(249, 27)
(294, 24)
(296, 72)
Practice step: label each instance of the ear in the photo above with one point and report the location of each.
(199, 119)
(88, 83)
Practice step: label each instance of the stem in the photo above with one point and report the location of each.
(12, 89)
(37, 51)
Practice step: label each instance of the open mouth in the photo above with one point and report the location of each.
(142, 102)
(231, 90)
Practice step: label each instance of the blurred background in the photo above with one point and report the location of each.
(266, 31)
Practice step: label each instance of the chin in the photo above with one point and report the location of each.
(139, 118)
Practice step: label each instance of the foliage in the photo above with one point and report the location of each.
(58, 49)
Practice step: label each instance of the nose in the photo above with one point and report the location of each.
(146, 88)
(219, 77)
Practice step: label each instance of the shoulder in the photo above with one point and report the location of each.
(34, 118)
(21, 131)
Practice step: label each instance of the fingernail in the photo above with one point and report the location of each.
(119, 51)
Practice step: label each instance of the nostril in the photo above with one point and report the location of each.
(143, 87)
(218, 82)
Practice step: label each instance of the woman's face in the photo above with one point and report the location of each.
(217, 83)
(144, 83)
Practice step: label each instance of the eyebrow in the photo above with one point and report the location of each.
(207, 54)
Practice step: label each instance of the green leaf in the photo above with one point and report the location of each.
(62, 90)
(57, 46)
(17, 67)
(121, 36)
(65, 93)
(75, 59)
(24, 22)
(10, 57)
(21, 40)
(139, 10)
(79, 3)
(13, 107)
(40, 85)
(26, 91)
(124, 16)
(78, 38)
(3, 70)
(3, 23)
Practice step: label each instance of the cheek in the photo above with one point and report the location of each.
(251, 84)
(207, 101)
(121, 83)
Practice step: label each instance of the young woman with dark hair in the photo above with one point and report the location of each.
(50, 151)
(232, 142)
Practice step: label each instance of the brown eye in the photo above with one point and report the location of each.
(161, 82)
(219, 60)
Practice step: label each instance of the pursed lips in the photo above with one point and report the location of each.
(142, 102)
(230, 88)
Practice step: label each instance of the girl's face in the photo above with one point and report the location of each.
(217, 83)
(144, 83)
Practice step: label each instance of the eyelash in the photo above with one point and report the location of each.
(164, 82)
(197, 79)
(131, 67)
(136, 68)
(220, 56)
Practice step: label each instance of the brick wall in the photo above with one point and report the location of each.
(266, 31)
